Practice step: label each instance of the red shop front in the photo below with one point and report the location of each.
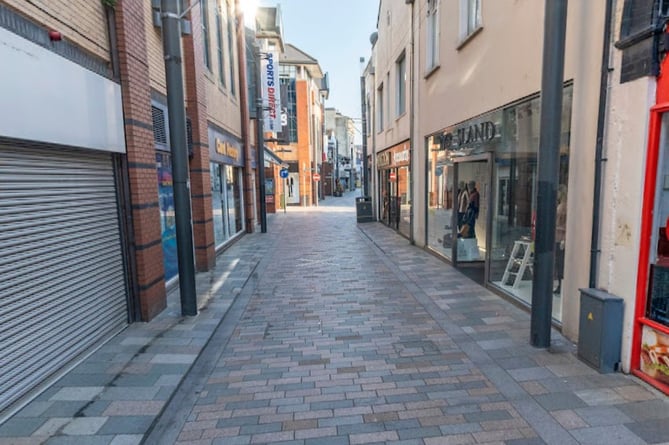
(650, 349)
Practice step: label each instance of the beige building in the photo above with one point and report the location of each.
(473, 141)
(473, 159)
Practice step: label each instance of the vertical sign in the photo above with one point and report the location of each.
(270, 92)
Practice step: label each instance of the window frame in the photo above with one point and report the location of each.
(380, 121)
(432, 31)
(219, 46)
(470, 19)
(231, 48)
(206, 44)
(400, 84)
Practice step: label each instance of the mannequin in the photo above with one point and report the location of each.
(463, 201)
(560, 236)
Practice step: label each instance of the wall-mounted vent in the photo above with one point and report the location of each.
(159, 127)
(189, 136)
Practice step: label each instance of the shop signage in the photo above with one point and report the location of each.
(468, 135)
(383, 159)
(271, 94)
(401, 156)
(225, 148)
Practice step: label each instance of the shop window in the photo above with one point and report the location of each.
(168, 229)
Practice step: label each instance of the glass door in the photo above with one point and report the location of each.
(472, 178)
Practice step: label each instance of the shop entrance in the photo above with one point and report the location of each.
(472, 179)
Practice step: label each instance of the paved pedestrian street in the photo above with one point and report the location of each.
(335, 332)
(352, 336)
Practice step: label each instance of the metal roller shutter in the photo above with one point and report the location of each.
(62, 285)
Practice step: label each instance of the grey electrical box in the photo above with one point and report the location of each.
(600, 329)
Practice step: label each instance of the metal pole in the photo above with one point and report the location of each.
(178, 145)
(555, 24)
(260, 144)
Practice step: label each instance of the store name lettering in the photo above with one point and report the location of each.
(471, 134)
(226, 149)
(401, 156)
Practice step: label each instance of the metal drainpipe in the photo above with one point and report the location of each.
(599, 148)
(412, 130)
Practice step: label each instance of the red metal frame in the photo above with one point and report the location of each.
(648, 212)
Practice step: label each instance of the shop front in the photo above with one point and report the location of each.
(63, 257)
(225, 168)
(650, 348)
(481, 185)
(394, 189)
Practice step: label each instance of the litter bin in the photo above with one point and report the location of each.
(363, 209)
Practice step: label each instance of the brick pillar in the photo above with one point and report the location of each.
(141, 155)
(196, 109)
(249, 173)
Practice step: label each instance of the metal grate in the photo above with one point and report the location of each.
(159, 127)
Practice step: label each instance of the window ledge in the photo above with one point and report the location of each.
(431, 71)
(468, 38)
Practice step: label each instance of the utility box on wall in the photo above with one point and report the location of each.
(600, 329)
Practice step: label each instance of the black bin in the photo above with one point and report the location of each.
(363, 209)
(600, 329)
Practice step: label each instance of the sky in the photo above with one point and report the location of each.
(336, 33)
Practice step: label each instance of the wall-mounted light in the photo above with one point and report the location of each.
(55, 36)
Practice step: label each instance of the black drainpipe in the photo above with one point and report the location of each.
(412, 130)
(599, 148)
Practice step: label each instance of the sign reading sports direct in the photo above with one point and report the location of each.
(270, 92)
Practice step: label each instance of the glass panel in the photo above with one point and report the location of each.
(234, 201)
(473, 199)
(404, 200)
(167, 221)
(658, 289)
(514, 206)
(441, 200)
(217, 203)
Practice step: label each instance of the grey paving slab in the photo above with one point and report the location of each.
(319, 336)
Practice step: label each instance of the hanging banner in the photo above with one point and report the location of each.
(270, 92)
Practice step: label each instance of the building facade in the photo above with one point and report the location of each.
(86, 172)
(473, 141)
(476, 124)
(303, 87)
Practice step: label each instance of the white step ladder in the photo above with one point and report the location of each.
(522, 256)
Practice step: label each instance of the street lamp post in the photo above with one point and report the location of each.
(171, 20)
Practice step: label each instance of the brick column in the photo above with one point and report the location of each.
(195, 90)
(249, 173)
(141, 155)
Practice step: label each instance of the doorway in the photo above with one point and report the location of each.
(472, 182)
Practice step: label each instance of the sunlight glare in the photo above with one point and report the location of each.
(249, 8)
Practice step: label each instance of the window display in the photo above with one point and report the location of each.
(481, 180)
(167, 221)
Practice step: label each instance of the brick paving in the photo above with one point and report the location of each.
(339, 333)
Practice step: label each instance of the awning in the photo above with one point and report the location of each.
(272, 157)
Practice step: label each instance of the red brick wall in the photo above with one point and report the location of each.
(141, 157)
(196, 109)
(303, 138)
